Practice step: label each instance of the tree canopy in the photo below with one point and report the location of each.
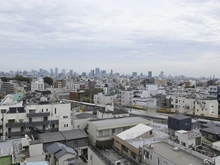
(48, 80)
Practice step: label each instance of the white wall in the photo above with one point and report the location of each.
(207, 108)
(126, 98)
(93, 159)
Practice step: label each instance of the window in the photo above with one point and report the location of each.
(124, 148)
(158, 159)
(65, 117)
(183, 144)
(75, 142)
(151, 132)
(42, 110)
(47, 109)
(55, 110)
(147, 154)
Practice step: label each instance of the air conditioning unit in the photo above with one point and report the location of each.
(118, 162)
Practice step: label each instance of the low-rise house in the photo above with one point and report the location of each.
(179, 122)
(211, 131)
(101, 131)
(76, 139)
(60, 154)
(188, 139)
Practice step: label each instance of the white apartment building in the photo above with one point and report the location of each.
(37, 85)
(73, 86)
(126, 98)
(104, 99)
(101, 131)
(188, 139)
(205, 107)
(39, 118)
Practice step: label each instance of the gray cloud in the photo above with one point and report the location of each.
(125, 35)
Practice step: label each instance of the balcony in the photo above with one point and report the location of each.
(45, 114)
(54, 130)
(15, 125)
(19, 133)
(54, 121)
(38, 123)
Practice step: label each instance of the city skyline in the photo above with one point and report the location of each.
(180, 38)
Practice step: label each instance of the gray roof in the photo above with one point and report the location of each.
(51, 137)
(62, 136)
(74, 134)
(212, 128)
(120, 121)
(179, 117)
(86, 116)
(59, 150)
(180, 158)
(55, 147)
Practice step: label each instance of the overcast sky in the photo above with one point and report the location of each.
(179, 37)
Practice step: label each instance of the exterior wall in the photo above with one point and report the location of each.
(95, 132)
(182, 104)
(51, 112)
(175, 124)
(73, 86)
(185, 139)
(80, 123)
(37, 85)
(63, 159)
(104, 99)
(206, 108)
(92, 132)
(126, 98)
(93, 159)
(155, 159)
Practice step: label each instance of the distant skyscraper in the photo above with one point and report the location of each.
(41, 71)
(51, 72)
(56, 72)
(71, 72)
(134, 74)
(64, 71)
(150, 74)
(84, 74)
(161, 74)
(111, 73)
(97, 70)
(92, 73)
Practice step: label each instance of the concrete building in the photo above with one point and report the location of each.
(60, 83)
(214, 93)
(188, 139)
(7, 87)
(122, 140)
(126, 98)
(162, 153)
(104, 99)
(37, 118)
(101, 131)
(204, 107)
(179, 122)
(37, 84)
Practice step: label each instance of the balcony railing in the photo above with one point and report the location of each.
(44, 114)
(15, 125)
(19, 133)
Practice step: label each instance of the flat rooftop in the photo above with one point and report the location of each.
(177, 157)
(158, 136)
(114, 156)
(120, 121)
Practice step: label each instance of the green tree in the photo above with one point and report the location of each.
(5, 79)
(48, 80)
